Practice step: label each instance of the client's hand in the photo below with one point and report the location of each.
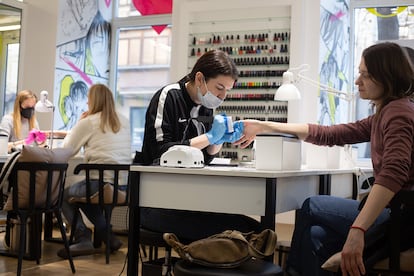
(58, 133)
(234, 136)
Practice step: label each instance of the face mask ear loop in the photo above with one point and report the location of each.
(205, 84)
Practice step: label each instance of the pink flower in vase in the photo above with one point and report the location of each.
(36, 136)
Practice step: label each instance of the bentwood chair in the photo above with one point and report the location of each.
(399, 262)
(108, 196)
(36, 189)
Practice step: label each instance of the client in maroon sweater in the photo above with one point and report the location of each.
(326, 224)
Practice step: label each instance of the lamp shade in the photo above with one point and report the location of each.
(44, 105)
(287, 91)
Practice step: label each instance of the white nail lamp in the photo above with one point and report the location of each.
(288, 90)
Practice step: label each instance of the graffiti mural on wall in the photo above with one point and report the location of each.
(334, 59)
(82, 56)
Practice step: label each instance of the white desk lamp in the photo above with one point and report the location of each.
(288, 90)
(44, 105)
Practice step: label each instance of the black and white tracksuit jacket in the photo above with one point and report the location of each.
(172, 118)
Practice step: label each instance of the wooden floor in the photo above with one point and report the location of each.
(94, 265)
(51, 264)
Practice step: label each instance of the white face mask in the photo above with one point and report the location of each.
(209, 100)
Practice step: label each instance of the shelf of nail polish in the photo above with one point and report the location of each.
(233, 97)
(256, 85)
(243, 50)
(240, 43)
(260, 48)
(270, 108)
(263, 61)
(249, 61)
(260, 73)
(253, 109)
(239, 38)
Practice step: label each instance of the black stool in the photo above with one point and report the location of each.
(253, 267)
(155, 265)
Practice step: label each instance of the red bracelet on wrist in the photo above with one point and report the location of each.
(359, 228)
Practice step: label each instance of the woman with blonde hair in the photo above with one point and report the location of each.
(18, 124)
(104, 136)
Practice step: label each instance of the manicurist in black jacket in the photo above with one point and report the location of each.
(182, 114)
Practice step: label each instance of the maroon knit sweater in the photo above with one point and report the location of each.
(391, 133)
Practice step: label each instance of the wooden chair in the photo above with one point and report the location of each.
(47, 179)
(399, 263)
(108, 197)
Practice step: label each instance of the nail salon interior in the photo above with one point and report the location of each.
(298, 62)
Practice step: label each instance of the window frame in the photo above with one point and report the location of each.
(354, 62)
(129, 22)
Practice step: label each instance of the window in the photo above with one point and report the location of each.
(141, 66)
(372, 24)
(11, 74)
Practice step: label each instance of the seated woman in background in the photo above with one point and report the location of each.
(18, 124)
(105, 137)
(326, 225)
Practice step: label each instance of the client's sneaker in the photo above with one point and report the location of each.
(115, 243)
(6, 244)
(81, 248)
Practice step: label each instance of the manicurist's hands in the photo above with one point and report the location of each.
(234, 136)
(352, 263)
(218, 129)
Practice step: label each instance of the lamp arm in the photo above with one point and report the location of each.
(49, 104)
(343, 95)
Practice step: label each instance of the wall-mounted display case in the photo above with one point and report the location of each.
(261, 53)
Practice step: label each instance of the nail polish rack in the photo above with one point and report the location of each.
(261, 57)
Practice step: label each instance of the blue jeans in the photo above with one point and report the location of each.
(93, 212)
(321, 228)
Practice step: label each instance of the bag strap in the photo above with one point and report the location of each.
(262, 244)
(175, 244)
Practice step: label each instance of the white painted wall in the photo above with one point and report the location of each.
(38, 50)
(304, 44)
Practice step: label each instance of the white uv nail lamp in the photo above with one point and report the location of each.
(183, 157)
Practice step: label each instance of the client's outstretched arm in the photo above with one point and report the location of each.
(254, 127)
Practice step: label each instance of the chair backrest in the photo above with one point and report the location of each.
(43, 183)
(403, 199)
(110, 178)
